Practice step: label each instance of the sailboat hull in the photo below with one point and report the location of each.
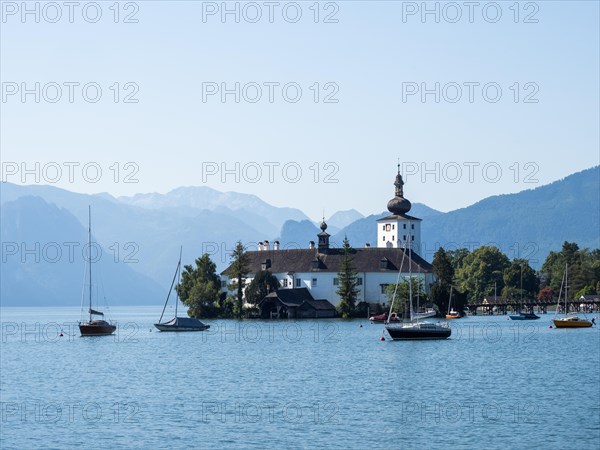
(182, 324)
(96, 328)
(163, 327)
(572, 323)
(418, 331)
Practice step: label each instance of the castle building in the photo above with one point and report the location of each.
(316, 267)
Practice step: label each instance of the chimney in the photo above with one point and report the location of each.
(276, 245)
(311, 244)
(367, 245)
(266, 245)
(260, 246)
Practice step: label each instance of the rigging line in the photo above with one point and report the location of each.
(170, 290)
(83, 290)
(396, 288)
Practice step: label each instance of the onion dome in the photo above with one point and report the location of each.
(399, 205)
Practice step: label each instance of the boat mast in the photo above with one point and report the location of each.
(410, 304)
(566, 289)
(178, 280)
(90, 254)
(521, 300)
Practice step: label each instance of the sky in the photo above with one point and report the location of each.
(304, 104)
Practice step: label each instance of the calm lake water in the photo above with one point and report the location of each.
(311, 384)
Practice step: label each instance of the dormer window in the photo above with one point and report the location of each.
(316, 263)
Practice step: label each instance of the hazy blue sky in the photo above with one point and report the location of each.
(371, 57)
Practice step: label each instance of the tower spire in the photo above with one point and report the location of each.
(399, 205)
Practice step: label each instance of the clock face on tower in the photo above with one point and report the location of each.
(388, 227)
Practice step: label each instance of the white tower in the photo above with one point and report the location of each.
(399, 230)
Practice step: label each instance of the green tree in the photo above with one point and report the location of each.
(518, 273)
(442, 267)
(583, 266)
(263, 283)
(199, 288)
(401, 300)
(440, 296)
(457, 257)
(348, 282)
(480, 271)
(238, 272)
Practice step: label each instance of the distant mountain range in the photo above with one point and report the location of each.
(140, 235)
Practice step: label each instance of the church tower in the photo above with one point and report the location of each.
(399, 230)
(323, 236)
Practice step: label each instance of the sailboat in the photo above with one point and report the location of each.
(452, 314)
(414, 329)
(570, 320)
(99, 327)
(179, 323)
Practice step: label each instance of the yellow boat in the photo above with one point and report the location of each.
(451, 313)
(572, 322)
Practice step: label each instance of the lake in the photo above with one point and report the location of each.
(307, 384)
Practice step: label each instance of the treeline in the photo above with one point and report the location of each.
(200, 287)
(487, 271)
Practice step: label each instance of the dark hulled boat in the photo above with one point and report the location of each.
(94, 327)
(179, 323)
(418, 330)
(524, 316)
(182, 324)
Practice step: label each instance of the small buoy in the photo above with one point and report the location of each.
(360, 326)
(61, 334)
(549, 326)
(382, 338)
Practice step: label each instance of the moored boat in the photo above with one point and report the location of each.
(452, 314)
(94, 327)
(571, 320)
(524, 316)
(419, 330)
(179, 323)
(182, 324)
(414, 330)
(381, 318)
